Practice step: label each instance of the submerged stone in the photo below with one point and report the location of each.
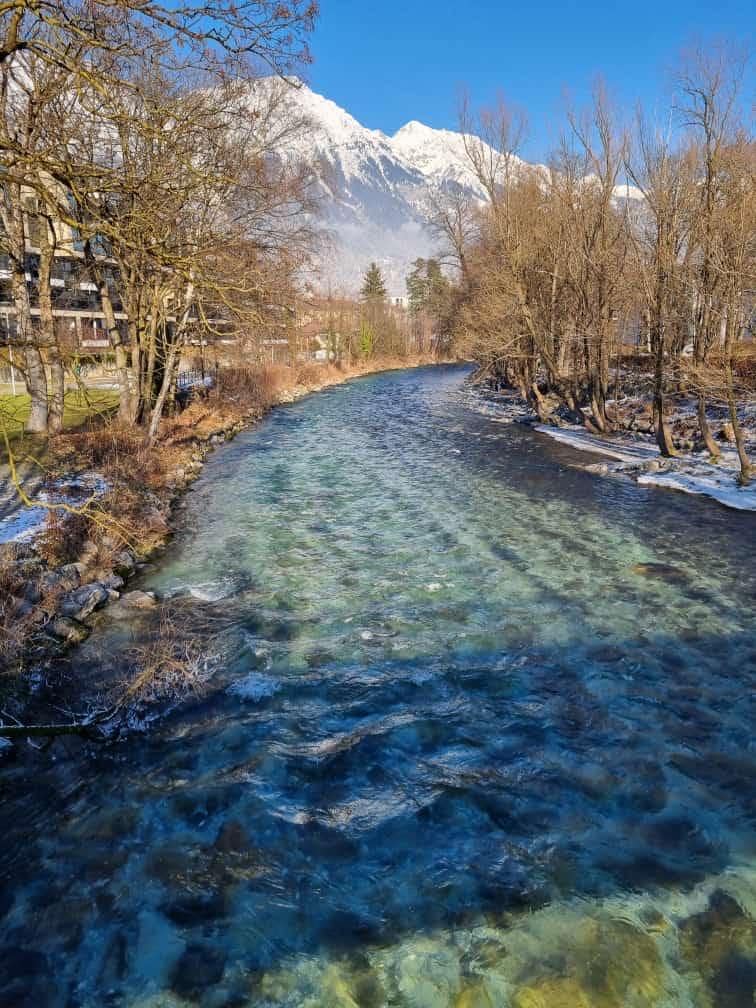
(428, 976)
(734, 983)
(475, 995)
(139, 600)
(232, 838)
(558, 992)
(193, 910)
(199, 968)
(719, 944)
(69, 630)
(665, 572)
(598, 962)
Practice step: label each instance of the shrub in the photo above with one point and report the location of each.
(63, 536)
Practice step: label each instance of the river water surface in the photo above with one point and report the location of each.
(479, 732)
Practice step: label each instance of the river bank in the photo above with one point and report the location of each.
(631, 450)
(58, 567)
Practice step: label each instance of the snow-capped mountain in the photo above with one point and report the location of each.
(375, 188)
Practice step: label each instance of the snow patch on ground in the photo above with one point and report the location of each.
(21, 523)
(687, 473)
(619, 450)
(723, 489)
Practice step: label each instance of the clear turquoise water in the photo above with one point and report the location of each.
(442, 699)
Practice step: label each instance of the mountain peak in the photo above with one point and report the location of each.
(413, 127)
(375, 187)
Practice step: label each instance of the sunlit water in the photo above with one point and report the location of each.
(458, 748)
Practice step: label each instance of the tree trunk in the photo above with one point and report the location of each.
(36, 384)
(663, 435)
(170, 363)
(703, 423)
(126, 403)
(746, 468)
(47, 331)
(34, 370)
(148, 385)
(57, 392)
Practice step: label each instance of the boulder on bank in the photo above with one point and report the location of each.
(83, 601)
(124, 564)
(112, 581)
(139, 600)
(67, 578)
(68, 630)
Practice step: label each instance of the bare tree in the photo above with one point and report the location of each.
(709, 84)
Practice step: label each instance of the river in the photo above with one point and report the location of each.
(479, 732)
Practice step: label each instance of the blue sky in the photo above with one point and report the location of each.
(390, 62)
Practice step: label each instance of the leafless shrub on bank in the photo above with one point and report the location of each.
(171, 664)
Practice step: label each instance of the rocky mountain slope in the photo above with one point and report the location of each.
(375, 188)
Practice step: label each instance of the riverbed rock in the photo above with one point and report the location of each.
(124, 563)
(112, 581)
(20, 607)
(555, 992)
(719, 943)
(428, 975)
(665, 572)
(69, 630)
(83, 601)
(598, 962)
(195, 909)
(232, 838)
(199, 968)
(475, 995)
(139, 600)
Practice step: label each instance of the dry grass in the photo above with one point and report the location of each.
(13, 626)
(253, 388)
(172, 663)
(20, 621)
(62, 538)
(118, 452)
(311, 374)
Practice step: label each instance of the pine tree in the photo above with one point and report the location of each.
(373, 288)
(426, 286)
(416, 286)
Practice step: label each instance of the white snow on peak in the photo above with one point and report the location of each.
(440, 154)
(333, 121)
(376, 188)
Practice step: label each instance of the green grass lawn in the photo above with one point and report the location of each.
(80, 407)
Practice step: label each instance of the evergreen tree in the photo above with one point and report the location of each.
(416, 287)
(373, 288)
(366, 339)
(426, 286)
